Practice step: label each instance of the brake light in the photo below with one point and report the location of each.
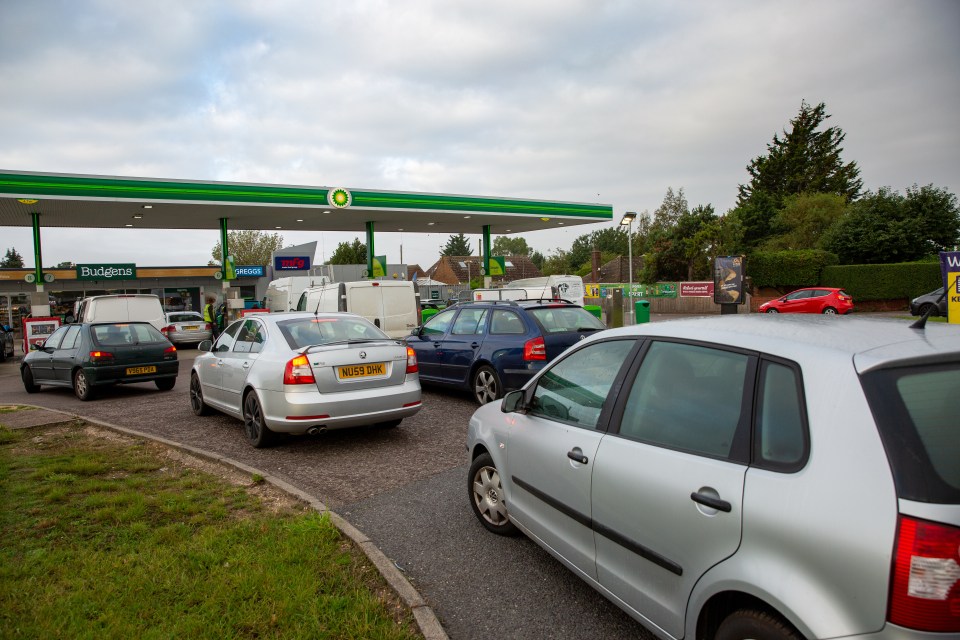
(925, 585)
(412, 360)
(208, 327)
(535, 349)
(170, 352)
(298, 371)
(167, 329)
(101, 356)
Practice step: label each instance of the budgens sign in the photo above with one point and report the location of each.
(106, 271)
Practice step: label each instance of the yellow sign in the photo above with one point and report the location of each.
(953, 297)
(591, 290)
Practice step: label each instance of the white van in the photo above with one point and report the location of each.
(283, 293)
(392, 305)
(569, 288)
(507, 293)
(126, 307)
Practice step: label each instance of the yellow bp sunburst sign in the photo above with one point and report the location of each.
(339, 198)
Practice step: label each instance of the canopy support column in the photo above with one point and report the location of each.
(486, 256)
(370, 251)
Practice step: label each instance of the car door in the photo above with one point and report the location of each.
(238, 361)
(668, 485)
(796, 302)
(462, 343)
(64, 356)
(41, 364)
(550, 455)
(211, 366)
(428, 344)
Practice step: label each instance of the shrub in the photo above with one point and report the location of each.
(883, 281)
(788, 269)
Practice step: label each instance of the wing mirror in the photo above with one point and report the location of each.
(69, 318)
(513, 402)
(206, 345)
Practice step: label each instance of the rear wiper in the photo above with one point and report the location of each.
(347, 341)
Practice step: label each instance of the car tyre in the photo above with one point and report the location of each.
(829, 311)
(197, 404)
(486, 497)
(486, 385)
(926, 307)
(81, 385)
(772, 310)
(165, 384)
(254, 425)
(755, 625)
(27, 376)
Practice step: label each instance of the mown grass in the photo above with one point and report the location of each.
(106, 539)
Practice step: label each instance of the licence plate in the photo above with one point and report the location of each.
(190, 328)
(362, 370)
(132, 371)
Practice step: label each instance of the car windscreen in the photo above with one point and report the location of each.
(184, 317)
(117, 334)
(916, 409)
(563, 319)
(307, 331)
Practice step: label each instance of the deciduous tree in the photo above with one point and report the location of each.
(349, 253)
(248, 247)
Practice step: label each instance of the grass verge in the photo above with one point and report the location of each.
(112, 537)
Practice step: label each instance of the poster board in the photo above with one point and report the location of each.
(37, 330)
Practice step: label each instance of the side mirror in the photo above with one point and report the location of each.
(513, 402)
(69, 318)
(416, 331)
(206, 345)
(34, 347)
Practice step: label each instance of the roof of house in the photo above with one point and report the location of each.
(457, 269)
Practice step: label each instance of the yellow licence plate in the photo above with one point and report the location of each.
(190, 328)
(132, 371)
(362, 370)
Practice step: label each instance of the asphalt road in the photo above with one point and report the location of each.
(405, 488)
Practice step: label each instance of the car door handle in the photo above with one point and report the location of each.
(474, 345)
(710, 501)
(577, 456)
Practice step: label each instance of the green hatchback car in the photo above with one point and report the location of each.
(87, 355)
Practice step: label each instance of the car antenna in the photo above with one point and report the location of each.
(319, 302)
(922, 322)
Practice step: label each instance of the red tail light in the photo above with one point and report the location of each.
(925, 586)
(412, 360)
(298, 371)
(535, 349)
(167, 329)
(170, 352)
(101, 356)
(208, 327)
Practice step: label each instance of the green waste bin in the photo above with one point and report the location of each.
(426, 314)
(641, 310)
(594, 309)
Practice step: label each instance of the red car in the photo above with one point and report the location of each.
(812, 300)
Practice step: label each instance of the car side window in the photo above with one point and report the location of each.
(438, 324)
(574, 390)
(53, 342)
(781, 435)
(227, 338)
(470, 322)
(506, 322)
(71, 338)
(799, 295)
(249, 338)
(687, 397)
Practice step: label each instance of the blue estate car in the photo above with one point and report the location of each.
(492, 346)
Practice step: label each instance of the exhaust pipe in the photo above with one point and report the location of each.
(315, 430)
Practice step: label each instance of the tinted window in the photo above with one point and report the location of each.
(687, 397)
(438, 324)
(564, 319)
(917, 410)
(120, 334)
(185, 317)
(470, 322)
(506, 322)
(53, 342)
(574, 389)
(308, 331)
(781, 431)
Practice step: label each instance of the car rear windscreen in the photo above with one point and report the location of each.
(561, 319)
(917, 410)
(307, 331)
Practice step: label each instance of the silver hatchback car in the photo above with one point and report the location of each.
(305, 373)
(768, 477)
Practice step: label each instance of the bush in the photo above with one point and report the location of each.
(884, 281)
(788, 269)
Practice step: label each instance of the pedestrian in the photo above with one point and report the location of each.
(209, 315)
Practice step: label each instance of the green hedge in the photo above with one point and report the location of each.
(884, 281)
(788, 269)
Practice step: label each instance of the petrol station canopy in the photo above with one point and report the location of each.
(91, 201)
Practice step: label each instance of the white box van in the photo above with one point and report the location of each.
(507, 293)
(126, 307)
(283, 293)
(392, 305)
(569, 288)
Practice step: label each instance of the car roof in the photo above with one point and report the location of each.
(870, 342)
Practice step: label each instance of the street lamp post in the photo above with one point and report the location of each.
(627, 219)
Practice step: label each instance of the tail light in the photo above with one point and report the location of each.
(167, 329)
(101, 357)
(298, 371)
(170, 352)
(535, 349)
(925, 585)
(208, 327)
(412, 360)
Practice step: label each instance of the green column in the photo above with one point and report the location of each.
(224, 249)
(486, 255)
(370, 251)
(37, 258)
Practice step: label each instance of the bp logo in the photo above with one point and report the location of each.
(339, 198)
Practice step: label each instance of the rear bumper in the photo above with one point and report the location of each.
(113, 374)
(297, 410)
(516, 378)
(185, 337)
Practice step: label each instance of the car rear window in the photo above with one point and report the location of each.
(917, 410)
(122, 333)
(185, 317)
(563, 319)
(307, 331)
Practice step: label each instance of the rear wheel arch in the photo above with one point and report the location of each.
(725, 603)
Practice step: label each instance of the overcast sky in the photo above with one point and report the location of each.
(585, 101)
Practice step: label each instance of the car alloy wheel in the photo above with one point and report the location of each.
(81, 385)
(486, 496)
(486, 386)
(257, 432)
(197, 404)
(772, 310)
(830, 311)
